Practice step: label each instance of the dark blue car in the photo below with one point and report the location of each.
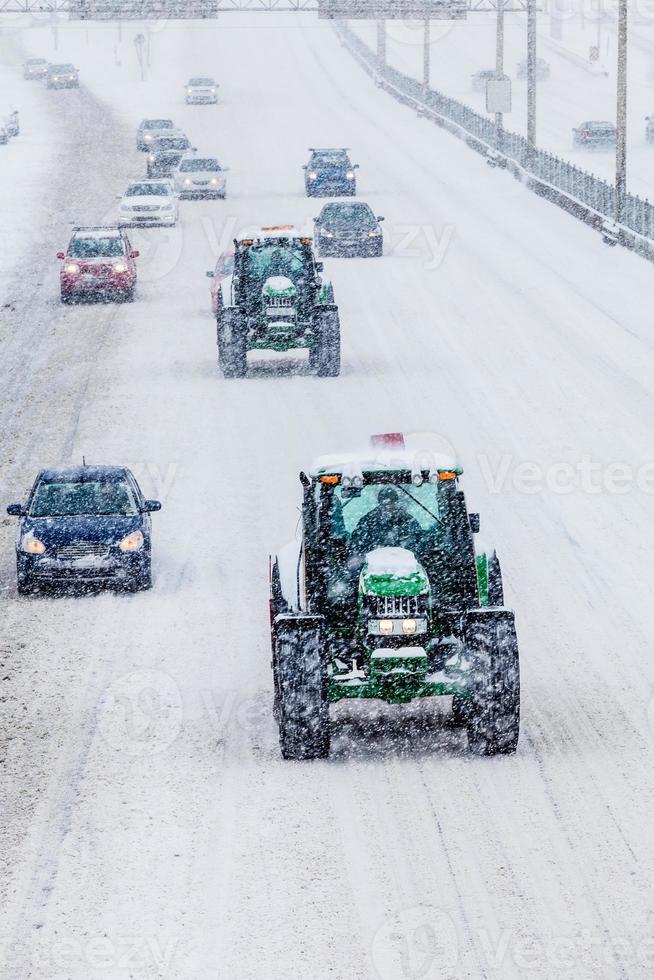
(330, 173)
(84, 525)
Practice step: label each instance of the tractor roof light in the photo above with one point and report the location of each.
(417, 479)
(332, 478)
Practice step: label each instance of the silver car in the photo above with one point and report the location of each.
(151, 129)
(201, 90)
(200, 177)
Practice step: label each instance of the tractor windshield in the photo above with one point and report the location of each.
(384, 515)
(264, 261)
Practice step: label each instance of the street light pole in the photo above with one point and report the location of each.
(531, 80)
(426, 66)
(621, 115)
(499, 66)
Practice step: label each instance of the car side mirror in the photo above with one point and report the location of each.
(304, 166)
(150, 505)
(61, 255)
(315, 219)
(134, 254)
(320, 266)
(380, 217)
(355, 167)
(475, 523)
(15, 510)
(224, 169)
(210, 274)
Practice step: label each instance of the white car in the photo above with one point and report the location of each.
(201, 90)
(149, 202)
(200, 177)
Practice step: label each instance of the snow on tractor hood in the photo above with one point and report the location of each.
(278, 286)
(393, 572)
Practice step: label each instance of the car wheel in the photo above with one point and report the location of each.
(66, 298)
(25, 586)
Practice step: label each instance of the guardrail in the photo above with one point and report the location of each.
(577, 191)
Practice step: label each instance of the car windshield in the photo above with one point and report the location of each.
(62, 68)
(158, 124)
(330, 159)
(201, 81)
(343, 215)
(36, 61)
(70, 498)
(187, 166)
(96, 248)
(275, 260)
(148, 190)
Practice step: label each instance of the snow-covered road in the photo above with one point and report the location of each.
(149, 828)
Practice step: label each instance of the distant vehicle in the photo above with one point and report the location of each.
(345, 228)
(479, 79)
(542, 69)
(150, 129)
(4, 136)
(12, 125)
(166, 154)
(84, 525)
(35, 68)
(649, 129)
(99, 262)
(202, 89)
(62, 76)
(329, 173)
(600, 135)
(224, 267)
(149, 202)
(200, 177)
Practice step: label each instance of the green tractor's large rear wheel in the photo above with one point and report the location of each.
(232, 343)
(492, 714)
(325, 356)
(301, 689)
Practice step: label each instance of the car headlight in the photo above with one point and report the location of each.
(327, 234)
(312, 175)
(132, 542)
(71, 268)
(374, 233)
(350, 175)
(120, 267)
(187, 182)
(213, 180)
(55, 78)
(151, 157)
(147, 138)
(31, 545)
(189, 91)
(386, 627)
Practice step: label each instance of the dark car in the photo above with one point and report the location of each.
(151, 129)
(62, 76)
(166, 154)
(598, 135)
(84, 525)
(35, 68)
(345, 228)
(329, 173)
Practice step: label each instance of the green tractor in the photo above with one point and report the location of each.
(385, 595)
(276, 299)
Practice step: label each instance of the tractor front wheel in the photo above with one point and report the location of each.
(493, 713)
(302, 707)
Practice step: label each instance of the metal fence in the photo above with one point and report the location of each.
(579, 185)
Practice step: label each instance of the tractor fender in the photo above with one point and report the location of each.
(290, 566)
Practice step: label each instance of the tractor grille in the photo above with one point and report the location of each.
(384, 606)
(280, 302)
(83, 549)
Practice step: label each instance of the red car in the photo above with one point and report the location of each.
(99, 262)
(224, 268)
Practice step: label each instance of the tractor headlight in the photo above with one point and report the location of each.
(409, 627)
(132, 542)
(31, 545)
(71, 268)
(386, 627)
